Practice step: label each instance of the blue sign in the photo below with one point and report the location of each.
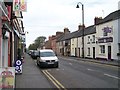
(18, 66)
(107, 29)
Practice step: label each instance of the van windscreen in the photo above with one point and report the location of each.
(47, 54)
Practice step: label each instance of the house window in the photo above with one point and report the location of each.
(88, 40)
(59, 43)
(88, 51)
(93, 38)
(102, 49)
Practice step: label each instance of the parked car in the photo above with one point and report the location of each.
(34, 54)
(30, 51)
(47, 58)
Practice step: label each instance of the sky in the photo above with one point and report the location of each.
(46, 17)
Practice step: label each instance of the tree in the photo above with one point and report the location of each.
(32, 47)
(38, 43)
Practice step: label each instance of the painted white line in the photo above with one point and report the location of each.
(57, 69)
(111, 76)
(90, 69)
(70, 63)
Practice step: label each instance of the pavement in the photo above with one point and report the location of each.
(31, 76)
(109, 62)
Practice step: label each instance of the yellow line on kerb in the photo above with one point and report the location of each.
(54, 81)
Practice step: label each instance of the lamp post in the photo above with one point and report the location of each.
(82, 27)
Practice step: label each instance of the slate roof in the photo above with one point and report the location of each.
(112, 16)
(78, 33)
(91, 29)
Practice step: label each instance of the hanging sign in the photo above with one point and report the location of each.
(23, 5)
(20, 5)
(16, 5)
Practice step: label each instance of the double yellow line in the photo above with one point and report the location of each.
(53, 80)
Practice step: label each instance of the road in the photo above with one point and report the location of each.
(72, 74)
(80, 74)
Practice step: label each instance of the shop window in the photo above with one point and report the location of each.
(102, 49)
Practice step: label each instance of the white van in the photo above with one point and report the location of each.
(47, 58)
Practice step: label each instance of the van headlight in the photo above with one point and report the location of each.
(42, 60)
(56, 60)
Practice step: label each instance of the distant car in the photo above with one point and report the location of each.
(47, 58)
(34, 54)
(30, 51)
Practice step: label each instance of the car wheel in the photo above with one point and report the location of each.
(56, 65)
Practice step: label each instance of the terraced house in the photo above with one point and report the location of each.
(108, 37)
(101, 40)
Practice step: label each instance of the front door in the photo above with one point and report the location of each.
(75, 51)
(109, 52)
(79, 51)
(93, 52)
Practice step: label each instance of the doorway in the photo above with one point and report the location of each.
(75, 51)
(79, 51)
(93, 52)
(109, 52)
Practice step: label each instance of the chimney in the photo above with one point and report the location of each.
(80, 27)
(66, 31)
(97, 20)
(50, 38)
(58, 33)
(53, 37)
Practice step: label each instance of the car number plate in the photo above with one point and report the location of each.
(50, 63)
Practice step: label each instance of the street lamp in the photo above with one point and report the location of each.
(82, 27)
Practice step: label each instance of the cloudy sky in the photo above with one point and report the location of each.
(46, 17)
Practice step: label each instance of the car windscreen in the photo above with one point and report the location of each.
(47, 54)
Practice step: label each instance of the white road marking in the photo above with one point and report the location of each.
(57, 69)
(111, 76)
(70, 63)
(90, 69)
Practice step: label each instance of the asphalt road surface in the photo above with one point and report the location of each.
(70, 74)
